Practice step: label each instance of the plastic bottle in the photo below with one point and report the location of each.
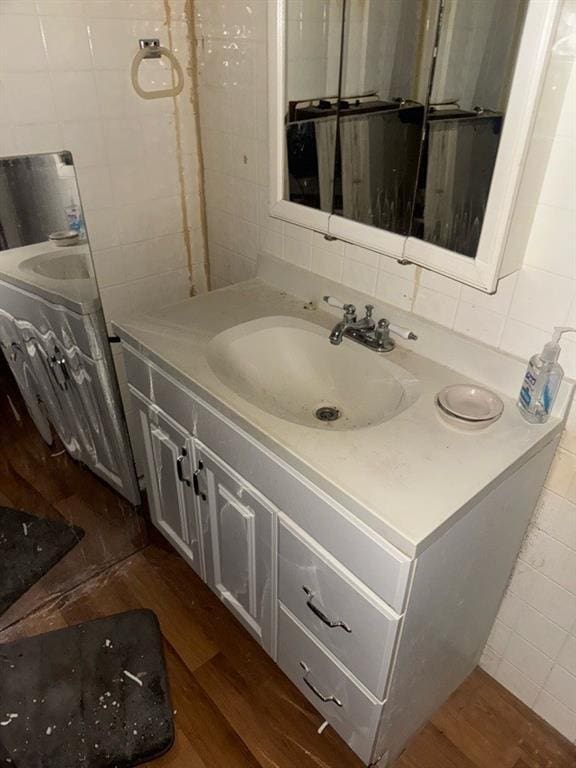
(542, 381)
(75, 219)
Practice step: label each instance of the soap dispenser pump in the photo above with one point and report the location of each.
(542, 380)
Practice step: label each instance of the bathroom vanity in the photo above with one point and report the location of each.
(54, 339)
(368, 555)
(52, 329)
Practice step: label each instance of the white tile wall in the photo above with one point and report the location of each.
(532, 648)
(65, 84)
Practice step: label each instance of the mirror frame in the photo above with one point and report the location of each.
(492, 261)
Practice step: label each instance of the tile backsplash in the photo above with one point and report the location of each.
(532, 648)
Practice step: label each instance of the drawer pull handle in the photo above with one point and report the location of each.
(322, 616)
(325, 699)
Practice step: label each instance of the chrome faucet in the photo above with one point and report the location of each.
(350, 322)
(366, 331)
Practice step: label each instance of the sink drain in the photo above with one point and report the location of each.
(327, 413)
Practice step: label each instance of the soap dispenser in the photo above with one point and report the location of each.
(542, 380)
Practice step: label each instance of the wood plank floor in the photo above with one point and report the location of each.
(233, 706)
(44, 480)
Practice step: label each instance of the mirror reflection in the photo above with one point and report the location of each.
(477, 47)
(43, 243)
(395, 108)
(313, 50)
(382, 112)
(52, 331)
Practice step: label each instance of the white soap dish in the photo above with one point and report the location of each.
(64, 238)
(468, 406)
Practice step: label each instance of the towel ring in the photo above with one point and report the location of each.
(159, 51)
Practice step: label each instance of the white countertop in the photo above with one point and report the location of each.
(80, 294)
(406, 478)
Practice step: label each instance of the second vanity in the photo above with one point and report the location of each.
(53, 337)
(368, 555)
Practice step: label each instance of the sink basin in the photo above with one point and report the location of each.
(288, 368)
(72, 265)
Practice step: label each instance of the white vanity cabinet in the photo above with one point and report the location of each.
(62, 369)
(374, 638)
(222, 500)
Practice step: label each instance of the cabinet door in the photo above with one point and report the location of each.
(79, 407)
(167, 449)
(31, 389)
(242, 526)
(93, 421)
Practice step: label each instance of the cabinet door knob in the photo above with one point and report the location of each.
(59, 370)
(65, 375)
(315, 691)
(321, 615)
(179, 472)
(197, 490)
(15, 349)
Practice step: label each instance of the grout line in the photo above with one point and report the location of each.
(525, 676)
(526, 602)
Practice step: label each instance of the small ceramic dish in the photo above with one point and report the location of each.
(63, 238)
(470, 403)
(463, 424)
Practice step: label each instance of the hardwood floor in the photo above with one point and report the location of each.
(233, 706)
(43, 480)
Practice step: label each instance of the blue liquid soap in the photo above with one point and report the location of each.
(542, 381)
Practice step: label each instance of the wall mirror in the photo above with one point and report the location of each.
(402, 125)
(43, 241)
(52, 331)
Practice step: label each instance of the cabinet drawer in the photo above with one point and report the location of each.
(138, 372)
(351, 711)
(319, 592)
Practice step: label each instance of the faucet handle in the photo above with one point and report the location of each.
(334, 302)
(349, 309)
(404, 333)
(382, 330)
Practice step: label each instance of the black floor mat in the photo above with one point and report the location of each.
(93, 696)
(29, 547)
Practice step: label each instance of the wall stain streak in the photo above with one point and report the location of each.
(417, 278)
(198, 282)
(190, 14)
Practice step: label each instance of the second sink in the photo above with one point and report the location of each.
(71, 265)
